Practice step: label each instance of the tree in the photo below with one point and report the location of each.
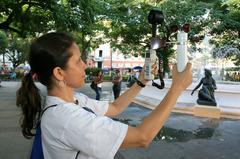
(31, 16)
(17, 50)
(91, 32)
(226, 31)
(130, 31)
(3, 42)
(28, 17)
(3, 45)
(122, 22)
(128, 27)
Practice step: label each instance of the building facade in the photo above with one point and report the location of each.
(106, 58)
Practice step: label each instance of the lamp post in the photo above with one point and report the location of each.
(110, 61)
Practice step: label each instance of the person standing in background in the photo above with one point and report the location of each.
(130, 80)
(117, 80)
(137, 74)
(98, 81)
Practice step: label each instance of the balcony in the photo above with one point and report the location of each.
(98, 59)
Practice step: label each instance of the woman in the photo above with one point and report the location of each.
(117, 83)
(67, 128)
(98, 81)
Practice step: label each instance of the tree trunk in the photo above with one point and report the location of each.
(3, 59)
(84, 56)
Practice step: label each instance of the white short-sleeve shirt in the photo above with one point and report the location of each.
(68, 128)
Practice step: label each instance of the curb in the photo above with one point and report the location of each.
(188, 108)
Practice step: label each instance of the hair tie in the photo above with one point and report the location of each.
(34, 76)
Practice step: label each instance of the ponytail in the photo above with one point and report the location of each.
(54, 50)
(29, 100)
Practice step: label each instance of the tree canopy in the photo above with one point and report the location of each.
(30, 17)
(123, 23)
(220, 19)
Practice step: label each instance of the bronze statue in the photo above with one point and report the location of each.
(206, 94)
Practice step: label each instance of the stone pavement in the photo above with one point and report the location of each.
(12, 143)
(182, 137)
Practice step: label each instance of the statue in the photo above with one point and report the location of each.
(206, 94)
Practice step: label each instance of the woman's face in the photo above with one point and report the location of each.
(75, 69)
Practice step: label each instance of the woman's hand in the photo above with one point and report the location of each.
(181, 80)
(153, 71)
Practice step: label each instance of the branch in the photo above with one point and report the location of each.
(14, 30)
(36, 4)
(9, 20)
(7, 27)
(6, 24)
(88, 42)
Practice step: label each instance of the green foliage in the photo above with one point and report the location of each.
(88, 70)
(232, 69)
(130, 32)
(123, 23)
(92, 71)
(107, 78)
(125, 78)
(27, 17)
(232, 74)
(17, 50)
(3, 42)
(128, 28)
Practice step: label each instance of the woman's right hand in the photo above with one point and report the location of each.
(181, 80)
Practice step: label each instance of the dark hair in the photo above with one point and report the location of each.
(99, 71)
(46, 53)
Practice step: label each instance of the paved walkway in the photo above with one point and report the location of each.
(183, 136)
(12, 143)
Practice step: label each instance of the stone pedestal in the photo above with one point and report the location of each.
(204, 102)
(206, 111)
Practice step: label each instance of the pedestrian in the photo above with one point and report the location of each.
(137, 73)
(69, 128)
(0, 80)
(130, 79)
(1, 75)
(13, 75)
(117, 82)
(98, 80)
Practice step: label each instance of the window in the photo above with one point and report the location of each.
(99, 64)
(100, 53)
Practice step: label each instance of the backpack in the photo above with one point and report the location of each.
(130, 81)
(93, 85)
(37, 151)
